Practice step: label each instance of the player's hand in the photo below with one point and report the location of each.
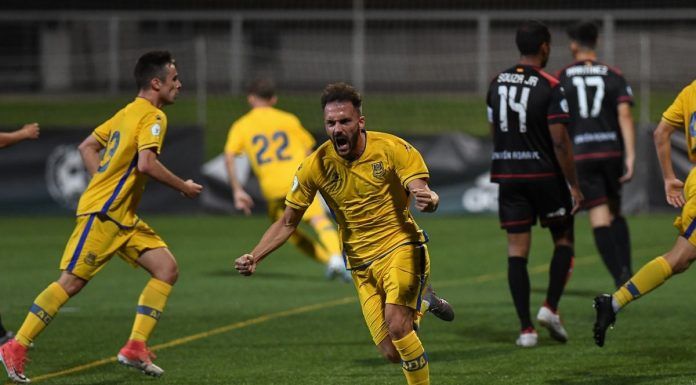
(30, 131)
(628, 174)
(245, 265)
(426, 200)
(243, 201)
(674, 192)
(191, 189)
(577, 197)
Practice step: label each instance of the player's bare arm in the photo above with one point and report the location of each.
(629, 140)
(276, 235)
(28, 131)
(242, 200)
(563, 149)
(89, 150)
(149, 165)
(674, 188)
(427, 200)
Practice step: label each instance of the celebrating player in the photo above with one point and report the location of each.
(368, 178)
(275, 143)
(601, 127)
(106, 220)
(533, 164)
(681, 115)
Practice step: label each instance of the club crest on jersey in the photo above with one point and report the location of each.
(91, 259)
(378, 170)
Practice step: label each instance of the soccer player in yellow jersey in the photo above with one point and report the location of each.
(367, 178)
(681, 115)
(106, 220)
(276, 143)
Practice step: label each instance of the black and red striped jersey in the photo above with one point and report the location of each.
(522, 102)
(594, 92)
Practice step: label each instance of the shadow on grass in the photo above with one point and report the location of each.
(581, 293)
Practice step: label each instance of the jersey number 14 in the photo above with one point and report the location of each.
(507, 97)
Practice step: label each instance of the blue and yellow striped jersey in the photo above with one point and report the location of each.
(682, 113)
(116, 188)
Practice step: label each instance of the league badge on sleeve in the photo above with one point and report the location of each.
(155, 129)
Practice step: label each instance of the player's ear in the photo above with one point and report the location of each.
(155, 83)
(361, 122)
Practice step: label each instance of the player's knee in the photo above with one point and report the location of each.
(168, 274)
(71, 284)
(398, 329)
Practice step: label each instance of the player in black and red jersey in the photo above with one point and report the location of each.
(601, 128)
(533, 164)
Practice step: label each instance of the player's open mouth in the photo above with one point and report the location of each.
(342, 143)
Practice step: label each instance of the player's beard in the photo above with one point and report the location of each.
(344, 144)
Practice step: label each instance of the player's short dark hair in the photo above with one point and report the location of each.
(152, 65)
(584, 33)
(341, 92)
(530, 36)
(262, 87)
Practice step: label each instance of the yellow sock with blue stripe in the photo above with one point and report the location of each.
(650, 276)
(150, 306)
(327, 235)
(414, 361)
(42, 311)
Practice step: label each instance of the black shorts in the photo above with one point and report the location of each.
(599, 181)
(520, 203)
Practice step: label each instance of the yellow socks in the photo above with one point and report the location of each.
(650, 276)
(150, 306)
(327, 235)
(42, 311)
(414, 361)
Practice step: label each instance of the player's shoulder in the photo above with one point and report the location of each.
(552, 80)
(143, 110)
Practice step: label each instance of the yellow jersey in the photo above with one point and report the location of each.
(275, 143)
(368, 196)
(117, 186)
(682, 113)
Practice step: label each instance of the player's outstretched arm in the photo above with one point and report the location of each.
(242, 200)
(564, 154)
(427, 200)
(28, 131)
(628, 133)
(674, 188)
(89, 151)
(149, 165)
(273, 238)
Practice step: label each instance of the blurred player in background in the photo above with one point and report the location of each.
(28, 131)
(106, 220)
(368, 179)
(601, 127)
(681, 115)
(276, 143)
(533, 165)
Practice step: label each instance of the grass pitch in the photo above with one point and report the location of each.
(287, 325)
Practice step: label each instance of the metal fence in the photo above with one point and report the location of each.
(424, 51)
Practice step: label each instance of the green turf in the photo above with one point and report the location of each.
(652, 342)
(403, 113)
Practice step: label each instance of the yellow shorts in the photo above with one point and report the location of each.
(276, 208)
(399, 278)
(96, 239)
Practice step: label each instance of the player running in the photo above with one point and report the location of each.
(533, 164)
(106, 220)
(276, 143)
(368, 179)
(681, 115)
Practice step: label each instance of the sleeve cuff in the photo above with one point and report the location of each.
(419, 175)
(99, 139)
(150, 145)
(295, 205)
